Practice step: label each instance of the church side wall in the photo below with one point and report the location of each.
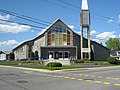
(100, 52)
(37, 45)
(76, 42)
(21, 52)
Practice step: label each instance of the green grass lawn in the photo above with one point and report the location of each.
(14, 63)
(100, 63)
(80, 65)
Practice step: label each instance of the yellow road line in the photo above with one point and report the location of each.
(49, 75)
(88, 80)
(60, 76)
(97, 81)
(54, 76)
(92, 75)
(86, 75)
(80, 74)
(106, 83)
(108, 77)
(80, 79)
(117, 85)
(66, 77)
(99, 76)
(115, 79)
(73, 78)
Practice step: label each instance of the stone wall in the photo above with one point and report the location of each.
(21, 52)
(37, 44)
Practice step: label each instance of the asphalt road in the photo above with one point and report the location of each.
(86, 79)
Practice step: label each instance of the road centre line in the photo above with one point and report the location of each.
(79, 79)
(86, 75)
(95, 76)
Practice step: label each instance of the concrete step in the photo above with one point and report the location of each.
(63, 62)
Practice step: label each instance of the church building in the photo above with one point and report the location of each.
(62, 43)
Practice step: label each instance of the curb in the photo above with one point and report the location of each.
(43, 70)
(32, 69)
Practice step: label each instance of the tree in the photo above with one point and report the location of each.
(36, 55)
(113, 44)
(12, 56)
(32, 55)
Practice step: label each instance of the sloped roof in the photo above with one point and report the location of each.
(22, 44)
(43, 33)
(51, 27)
(5, 52)
(48, 29)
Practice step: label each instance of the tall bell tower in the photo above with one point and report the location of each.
(85, 26)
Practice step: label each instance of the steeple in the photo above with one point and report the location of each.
(84, 5)
(85, 25)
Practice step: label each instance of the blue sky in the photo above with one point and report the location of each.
(105, 19)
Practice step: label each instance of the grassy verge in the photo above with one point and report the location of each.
(100, 63)
(37, 62)
(14, 63)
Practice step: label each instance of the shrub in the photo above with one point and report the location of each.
(78, 61)
(112, 60)
(32, 55)
(54, 64)
(118, 61)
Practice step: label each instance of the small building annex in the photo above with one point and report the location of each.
(115, 54)
(4, 55)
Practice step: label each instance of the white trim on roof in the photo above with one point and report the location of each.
(84, 5)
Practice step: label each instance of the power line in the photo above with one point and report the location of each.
(13, 14)
(21, 24)
(26, 16)
(60, 6)
(69, 4)
(105, 17)
(55, 28)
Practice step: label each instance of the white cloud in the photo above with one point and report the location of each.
(43, 30)
(106, 35)
(119, 35)
(96, 40)
(8, 43)
(13, 28)
(110, 21)
(71, 26)
(93, 32)
(5, 17)
(119, 18)
(78, 32)
(32, 30)
(7, 27)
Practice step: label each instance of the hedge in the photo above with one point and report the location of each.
(54, 64)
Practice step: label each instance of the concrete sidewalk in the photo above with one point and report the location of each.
(23, 68)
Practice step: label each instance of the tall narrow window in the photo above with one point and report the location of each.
(68, 38)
